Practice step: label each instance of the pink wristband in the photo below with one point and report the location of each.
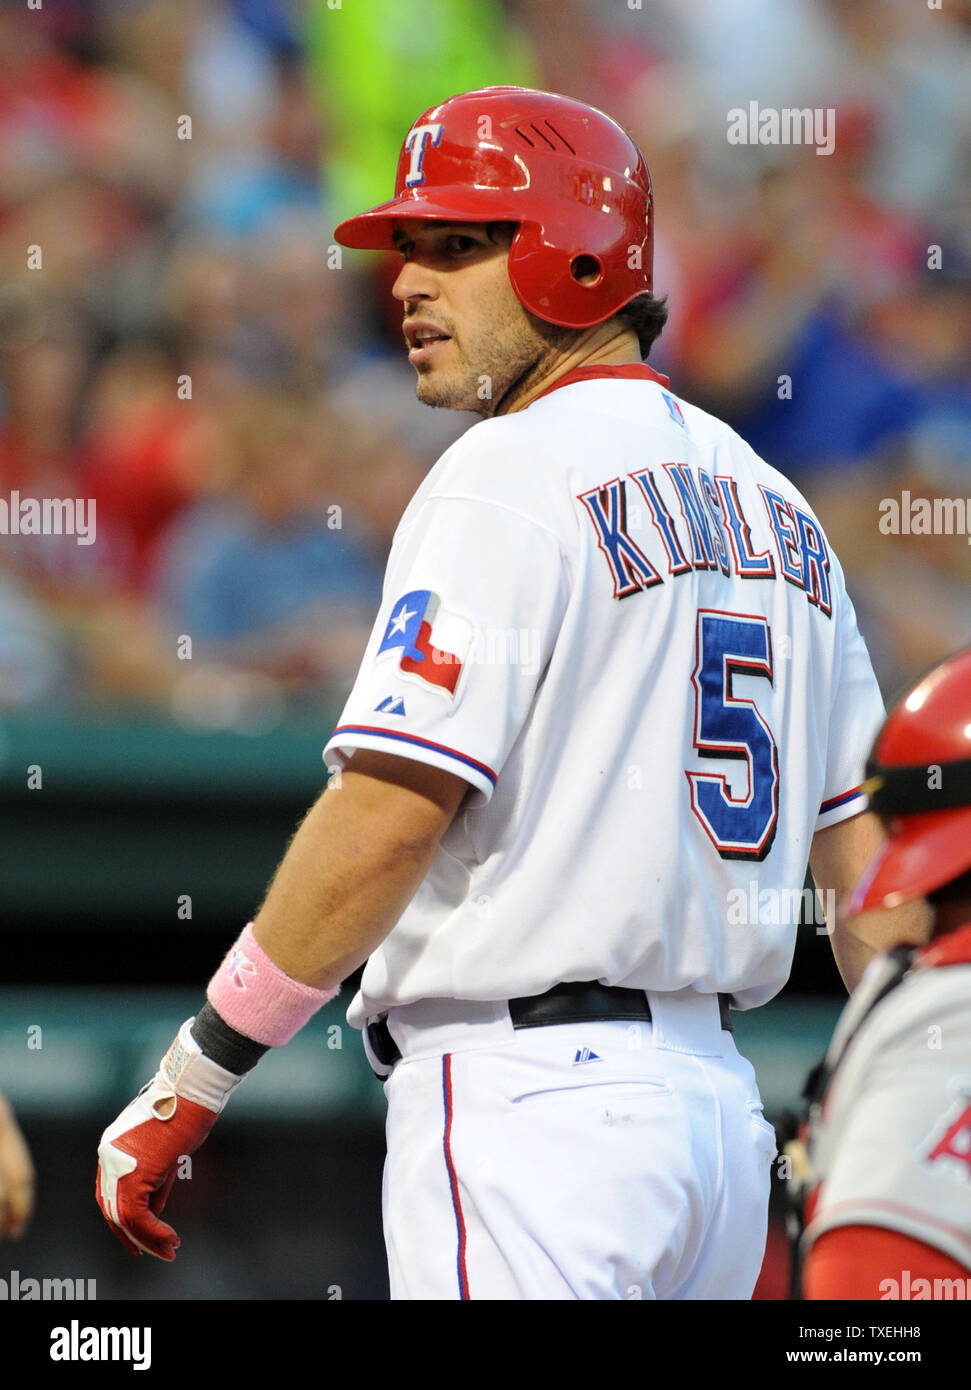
(256, 998)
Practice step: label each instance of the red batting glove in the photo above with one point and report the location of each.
(139, 1154)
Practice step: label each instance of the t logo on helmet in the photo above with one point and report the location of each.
(416, 142)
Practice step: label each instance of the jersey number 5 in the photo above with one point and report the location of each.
(727, 726)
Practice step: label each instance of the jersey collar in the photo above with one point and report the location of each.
(629, 371)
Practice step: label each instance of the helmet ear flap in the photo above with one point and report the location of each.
(565, 285)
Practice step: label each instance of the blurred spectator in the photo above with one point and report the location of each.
(140, 455)
(783, 298)
(32, 655)
(43, 362)
(274, 572)
(912, 589)
(914, 64)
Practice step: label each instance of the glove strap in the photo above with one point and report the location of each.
(186, 1071)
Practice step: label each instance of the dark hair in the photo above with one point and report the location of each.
(645, 316)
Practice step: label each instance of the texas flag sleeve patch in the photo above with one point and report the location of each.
(474, 596)
(428, 642)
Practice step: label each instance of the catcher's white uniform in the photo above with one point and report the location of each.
(628, 634)
(891, 1144)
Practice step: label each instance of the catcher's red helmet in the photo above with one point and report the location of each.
(569, 175)
(920, 771)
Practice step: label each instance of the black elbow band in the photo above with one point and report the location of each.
(233, 1051)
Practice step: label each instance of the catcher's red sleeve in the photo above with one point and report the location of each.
(856, 1262)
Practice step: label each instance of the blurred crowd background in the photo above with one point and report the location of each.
(197, 356)
(192, 351)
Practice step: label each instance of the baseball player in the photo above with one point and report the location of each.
(890, 1130)
(615, 680)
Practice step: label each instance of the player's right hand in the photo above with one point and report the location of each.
(139, 1155)
(138, 1160)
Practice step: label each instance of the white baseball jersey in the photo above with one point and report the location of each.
(629, 635)
(892, 1144)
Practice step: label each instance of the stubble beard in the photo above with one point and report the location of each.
(509, 354)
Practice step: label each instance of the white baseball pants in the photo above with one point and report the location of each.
(606, 1160)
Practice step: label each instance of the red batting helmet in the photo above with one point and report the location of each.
(569, 175)
(920, 778)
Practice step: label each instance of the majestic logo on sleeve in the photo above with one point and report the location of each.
(391, 704)
(431, 643)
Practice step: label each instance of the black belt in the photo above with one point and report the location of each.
(577, 1002)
